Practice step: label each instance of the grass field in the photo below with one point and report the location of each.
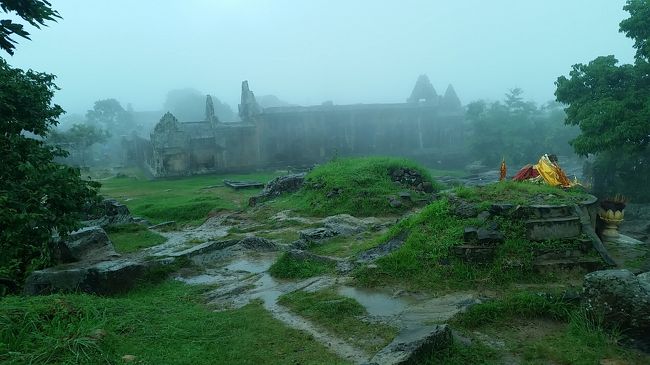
(164, 324)
(187, 200)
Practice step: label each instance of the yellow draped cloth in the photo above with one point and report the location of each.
(552, 173)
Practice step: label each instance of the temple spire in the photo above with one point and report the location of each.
(423, 90)
(451, 100)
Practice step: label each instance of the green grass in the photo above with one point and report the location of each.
(341, 316)
(187, 200)
(536, 329)
(346, 246)
(164, 324)
(288, 267)
(515, 305)
(364, 185)
(425, 261)
(128, 238)
(521, 193)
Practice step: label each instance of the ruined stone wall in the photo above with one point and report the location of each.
(308, 135)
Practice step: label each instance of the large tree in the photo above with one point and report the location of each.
(38, 197)
(610, 103)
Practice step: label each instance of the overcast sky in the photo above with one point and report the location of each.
(309, 51)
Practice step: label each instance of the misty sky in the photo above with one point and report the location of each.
(306, 52)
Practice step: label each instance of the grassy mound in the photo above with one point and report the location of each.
(425, 261)
(356, 186)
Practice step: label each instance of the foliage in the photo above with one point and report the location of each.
(132, 237)
(35, 12)
(37, 196)
(610, 103)
(163, 324)
(78, 138)
(356, 186)
(516, 130)
(110, 115)
(289, 267)
(616, 172)
(189, 105)
(340, 315)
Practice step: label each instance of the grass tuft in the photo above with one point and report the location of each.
(288, 267)
(132, 237)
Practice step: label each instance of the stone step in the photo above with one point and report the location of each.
(474, 253)
(587, 263)
(548, 211)
(553, 228)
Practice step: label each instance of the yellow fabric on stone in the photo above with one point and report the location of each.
(552, 173)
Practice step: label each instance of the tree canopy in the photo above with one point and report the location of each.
(611, 102)
(35, 12)
(516, 130)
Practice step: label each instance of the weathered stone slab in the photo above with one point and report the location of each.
(88, 243)
(106, 277)
(553, 228)
(413, 346)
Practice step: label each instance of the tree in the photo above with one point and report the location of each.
(516, 130)
(610, 103)
(110, 115)
(38, 197)
(79, 138)
(35, 12)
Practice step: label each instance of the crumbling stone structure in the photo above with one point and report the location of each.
(426, 125)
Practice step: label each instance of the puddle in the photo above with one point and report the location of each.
(376, 303)
(250, 266)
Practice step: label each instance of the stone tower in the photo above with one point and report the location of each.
(423, 90)
(451, 100)
(209, 111)
(248, 107)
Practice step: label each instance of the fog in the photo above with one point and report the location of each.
(306, 52)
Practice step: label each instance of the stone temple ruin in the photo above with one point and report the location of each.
(427, 125)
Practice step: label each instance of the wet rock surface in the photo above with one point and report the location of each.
(621, 297)
(103, 278)
(411, 178)
(412, 346)
(110, 212)
(278, 186)
(87, 244)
